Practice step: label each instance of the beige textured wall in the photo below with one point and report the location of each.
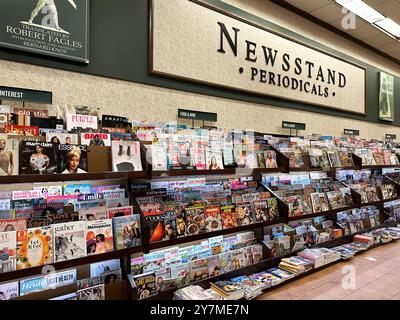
(142, 102)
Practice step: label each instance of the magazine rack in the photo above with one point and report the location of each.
(122, 290)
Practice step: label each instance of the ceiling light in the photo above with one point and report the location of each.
(361, 9)
(389, 26)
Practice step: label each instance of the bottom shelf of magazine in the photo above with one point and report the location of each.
(117, 291)
(273, 262)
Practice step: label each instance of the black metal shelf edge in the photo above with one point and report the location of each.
(206, 235)
(227, 171)
(17, 274)
(323, 213)
(72, 177)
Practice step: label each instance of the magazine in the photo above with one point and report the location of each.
(198, 270)
(34, 247)
(198, 158)
(92, 293)
(195, 220)
(93, 213)
(214, 266)
(9, 290)
(145, 284)
(260, 208)
(62, 138)
(228, 216)
(244, 214)
(214, 159)
(95, 139)
(119, 212)
(96, 269)
(126, 156)
(8, 246)
(99, 236)
(170, 220)
(69, 241)
(127, 232)
(37, 158)
(9, 156)
(12, 224)
(270, 159)
(72, 159)
(212, 216)
(159, 157)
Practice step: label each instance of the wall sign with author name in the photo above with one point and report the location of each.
(50, 27)
(213, 47)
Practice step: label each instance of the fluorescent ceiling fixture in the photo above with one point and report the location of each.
(389, 26)
(361, 9)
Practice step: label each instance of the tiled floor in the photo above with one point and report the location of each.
(372, 275)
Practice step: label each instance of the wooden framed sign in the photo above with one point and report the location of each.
(207, 45)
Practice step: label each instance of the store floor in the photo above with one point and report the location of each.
(376, 273)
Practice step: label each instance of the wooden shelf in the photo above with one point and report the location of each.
(206, 235)
(31, 178)
(18, 274)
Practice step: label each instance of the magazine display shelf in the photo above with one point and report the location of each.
(270, 263)
(206, 235)
(117, 254)
(33, 178)
(116, 291)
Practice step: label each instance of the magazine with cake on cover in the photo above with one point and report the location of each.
(9, 290)
(228, 216)
(99, 236)
(34, 247)
(159, 157)
(37, 158)
(69, 240)
(126, 156)
(8, 247)
(9, 156)
(127, 232)
(72, 159)
(213, 218)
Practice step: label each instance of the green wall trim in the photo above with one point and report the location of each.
(119, 41)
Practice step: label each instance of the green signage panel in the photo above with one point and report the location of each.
(351, 132)
(27, 95)
(197, 115)
(293, 125)
(390, 136)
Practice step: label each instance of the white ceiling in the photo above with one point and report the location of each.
(329, 12)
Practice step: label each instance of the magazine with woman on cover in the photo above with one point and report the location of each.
(72, 159)
(37, 158)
